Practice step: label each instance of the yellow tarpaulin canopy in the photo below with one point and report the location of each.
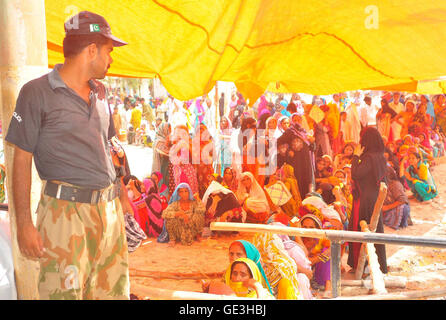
(422, 87)
(316, 47)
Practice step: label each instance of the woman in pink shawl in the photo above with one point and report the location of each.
(155, 204)
(263, 105)
(199, 112)
(159, 181)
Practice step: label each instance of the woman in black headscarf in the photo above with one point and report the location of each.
(368, 171)
(300, 156)
(384, 118)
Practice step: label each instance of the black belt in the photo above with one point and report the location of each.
(69, 193)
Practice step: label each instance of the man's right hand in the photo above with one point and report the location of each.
(30, 241)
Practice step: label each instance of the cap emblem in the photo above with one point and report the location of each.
(94, 27)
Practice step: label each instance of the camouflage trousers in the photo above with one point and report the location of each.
(86, 253)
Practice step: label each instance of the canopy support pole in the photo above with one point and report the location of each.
(23, 56)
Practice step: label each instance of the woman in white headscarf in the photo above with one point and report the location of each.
(352, 128)
(222, 205)
(253, 199)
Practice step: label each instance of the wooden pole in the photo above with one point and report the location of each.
(390, 282)
(23, 57)
(375, 271)
(165, 294)
(175, 275)
(373, 224)
(409, 295)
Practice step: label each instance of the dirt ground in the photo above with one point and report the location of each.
(157, 266)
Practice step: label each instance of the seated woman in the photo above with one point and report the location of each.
(345, 157)
(419, 178)
(280, 268)
(425, 155)
(319, 254)
(135, 191)
(159, 181)
(325, 181)
(245, 249)
(299, 253)
(155, 204)
(343, 195)
(438, 143)
(184, 216)
(328, 214)
(242, 249)
(253, 199)
(396, 208)
(230, 180)
(286, 175)
(244, 278)
(280, 195)
(391, 158)
(222, 205)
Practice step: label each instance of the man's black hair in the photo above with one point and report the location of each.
(74, 44)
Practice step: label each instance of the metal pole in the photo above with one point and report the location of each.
(333, 235)
(335, 264)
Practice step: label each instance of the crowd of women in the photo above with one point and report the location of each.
(290, 163)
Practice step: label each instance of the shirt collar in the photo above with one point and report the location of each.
(54, 78)
(56, 81)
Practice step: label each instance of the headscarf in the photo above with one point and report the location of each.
(150, 186)
(213, 188)
(257, 200)
(279, 123)
(316, 220)
(327, 211)
(430, 109)
(239, 289)
(254, 254)
(386, 108)
(161, 136)
(265, 115)
(426, 142)
(161, 186)
(199, 109)
(276, 132)
(263, 104)
(408, 136)
(276, 259)
(410, 101)
(234, 182)
(227, 131)
(372, 141)
(176, 197)
(295, 114)
(373, 145)
(233, 102)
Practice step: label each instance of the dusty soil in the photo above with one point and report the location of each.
(156, 265)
